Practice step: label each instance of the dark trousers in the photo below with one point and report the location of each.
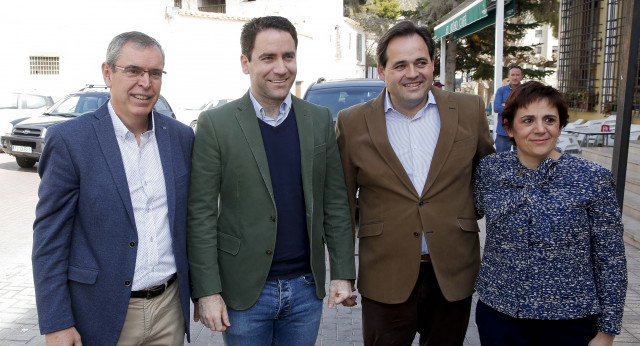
(427, 312)
(496, 328)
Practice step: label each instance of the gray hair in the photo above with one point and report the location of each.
(140, 40)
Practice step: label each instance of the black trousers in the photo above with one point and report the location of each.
(496, 328)
(427, 312)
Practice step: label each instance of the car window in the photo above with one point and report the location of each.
(76, 105)
(8, 101)
(34, 101)
(338, 99)
(162, 106)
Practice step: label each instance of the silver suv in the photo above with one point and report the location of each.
(26, 139)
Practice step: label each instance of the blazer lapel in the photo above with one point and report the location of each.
(163, 139)
(377, 125)
(246, 117)
(448, 111)
(305, 136)
(111, 151)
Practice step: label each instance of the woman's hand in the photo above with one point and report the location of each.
(602, 339)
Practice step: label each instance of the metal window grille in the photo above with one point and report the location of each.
(177, 3)
(44, 65)
(215, 6)
(580, 45)
(612, 56)
(359, 40)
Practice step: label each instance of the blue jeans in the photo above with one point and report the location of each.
(502, 143)
(286, 313)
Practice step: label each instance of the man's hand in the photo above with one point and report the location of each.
(212, 311)
(602, 339)
(340, 293)
(65, 337)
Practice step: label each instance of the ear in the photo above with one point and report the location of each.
(508, 128)
(244, 62)
(381, 72)
(106, 74)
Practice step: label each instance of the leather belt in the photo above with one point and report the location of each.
(154, 291)
(425, 258)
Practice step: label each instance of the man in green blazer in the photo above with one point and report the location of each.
(267, 193)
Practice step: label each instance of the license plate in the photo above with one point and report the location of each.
(21, 149)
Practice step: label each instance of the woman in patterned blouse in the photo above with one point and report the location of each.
(553, 270)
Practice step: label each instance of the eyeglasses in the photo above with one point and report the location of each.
(135, 72)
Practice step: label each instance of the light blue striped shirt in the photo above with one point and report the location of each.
(285, 107)
(414, 141)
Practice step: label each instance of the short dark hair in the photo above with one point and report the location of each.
(515, 66)
(252, 28)
(404, 28)
(139, 39)
(530, 92)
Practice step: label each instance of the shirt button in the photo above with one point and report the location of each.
(132, 244)
(416, 234)
(127, 283)
(269, 252)
(272, 218)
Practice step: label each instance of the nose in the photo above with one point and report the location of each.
(412, 71)
(144, 80)
(280, 67)
(539, 126)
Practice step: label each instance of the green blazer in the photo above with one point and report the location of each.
(231, 230)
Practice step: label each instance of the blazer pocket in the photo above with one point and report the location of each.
(228, 243)
(370, 230)
(468, 225)
(82, 275)
(319, 149)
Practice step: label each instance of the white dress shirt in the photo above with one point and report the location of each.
(414, 141)
(155, 262)
(285, 107)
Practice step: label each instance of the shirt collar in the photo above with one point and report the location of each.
(389, 107)
(120, 129)
(285, 107)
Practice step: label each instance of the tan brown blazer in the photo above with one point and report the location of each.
(393, 215)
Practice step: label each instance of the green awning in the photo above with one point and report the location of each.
(471, 13)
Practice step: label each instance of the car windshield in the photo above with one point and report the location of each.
(76, 105)
(337, 99)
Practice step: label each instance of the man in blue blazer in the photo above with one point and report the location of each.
(109, 249)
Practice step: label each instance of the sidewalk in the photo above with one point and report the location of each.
(341, 326)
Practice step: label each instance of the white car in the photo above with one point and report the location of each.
(189, 116)
(16, 105)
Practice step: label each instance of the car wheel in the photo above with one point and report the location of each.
(25, 162)
(194, 125)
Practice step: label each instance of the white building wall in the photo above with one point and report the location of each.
(548, 42)
(202, 49)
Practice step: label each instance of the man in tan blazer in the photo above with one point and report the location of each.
(411, 152)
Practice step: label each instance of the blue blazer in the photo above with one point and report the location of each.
(85, 238)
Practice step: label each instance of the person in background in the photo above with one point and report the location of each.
(267, 193)
(515, 77)
(553, 269)
(109, 240)
(411, 153)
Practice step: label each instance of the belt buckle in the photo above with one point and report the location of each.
(159, 288)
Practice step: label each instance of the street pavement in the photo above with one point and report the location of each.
(340, 326)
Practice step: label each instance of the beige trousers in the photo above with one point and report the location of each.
(157, 321)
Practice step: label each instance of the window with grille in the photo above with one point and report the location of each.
(612, 58)
(538, 33)
(580, 46)
(44, 65)
(215, 6)
(359, 55)
(177, 3)
(539, 50)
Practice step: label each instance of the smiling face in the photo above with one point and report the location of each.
(272, 67)
(133, 98)
(408, 73)
(536, 129)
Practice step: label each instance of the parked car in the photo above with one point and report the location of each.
(340, 94)
(17, 105)
(26, 139)
(189, 116)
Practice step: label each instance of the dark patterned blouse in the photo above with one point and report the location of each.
(554, 246)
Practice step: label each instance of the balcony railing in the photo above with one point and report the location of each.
(222, 8)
